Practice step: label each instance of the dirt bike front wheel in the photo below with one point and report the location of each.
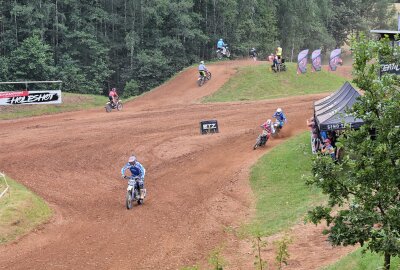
(228, 53)
(258, 143)
(128, 200)
(119, 106)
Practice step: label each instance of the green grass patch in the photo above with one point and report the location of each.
(259, 82)
(21, 211)
(281, 194)
(358, 260)
(71, 102)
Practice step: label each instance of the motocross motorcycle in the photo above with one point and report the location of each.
(220, 53)
(277, 129)
(203, 79)
(111, 105)
(261, 139)
(132, 192)
(280, 66)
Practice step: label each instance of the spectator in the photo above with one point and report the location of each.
(328, 149)
(316, 143)
(278, 53)
(323, 135)
(271, 57)
(311, 123)
(332, 137)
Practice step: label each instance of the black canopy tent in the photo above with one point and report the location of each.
(330, 113)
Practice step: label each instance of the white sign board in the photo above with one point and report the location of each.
(30, 97)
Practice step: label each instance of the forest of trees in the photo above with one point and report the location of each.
(135, 45)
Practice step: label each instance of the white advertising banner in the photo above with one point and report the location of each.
(30, 97)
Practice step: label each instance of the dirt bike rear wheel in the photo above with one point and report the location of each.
(128, 200)
(108, 108)
(140, 202)
(209, 76)
(219, 55)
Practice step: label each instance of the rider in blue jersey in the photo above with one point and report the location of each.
(280, 117)
(136, 169)
(221, 45)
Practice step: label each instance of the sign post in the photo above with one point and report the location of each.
(209, 126)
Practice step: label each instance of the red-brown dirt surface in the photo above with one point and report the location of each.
(197, 184)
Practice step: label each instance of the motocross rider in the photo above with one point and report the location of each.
(136, 169)
(280, 117)
(202, 69)
(221, 46)
(112, 96)
(268, 127)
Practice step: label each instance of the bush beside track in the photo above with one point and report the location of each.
(21, 211)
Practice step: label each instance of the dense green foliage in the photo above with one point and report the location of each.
(366, 183)
(97, 44)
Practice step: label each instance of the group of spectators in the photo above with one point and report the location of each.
(323, 142)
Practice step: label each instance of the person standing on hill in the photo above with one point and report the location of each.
(328, 149)
(278, 52)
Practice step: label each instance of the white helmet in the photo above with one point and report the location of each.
(279, 110)
(132, 159)
(269, 122)
(202, 62)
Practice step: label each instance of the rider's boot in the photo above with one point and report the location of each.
(141, 191)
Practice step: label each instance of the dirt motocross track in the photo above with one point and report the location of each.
(197, 184)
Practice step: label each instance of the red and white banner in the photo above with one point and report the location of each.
(30, 97)
(23, 93)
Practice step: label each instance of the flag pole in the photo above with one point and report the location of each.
(398, 21)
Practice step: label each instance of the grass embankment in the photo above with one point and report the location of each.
(282, 196)
(71, 102)
(21, 211)
(359, 261)
(259, 82)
